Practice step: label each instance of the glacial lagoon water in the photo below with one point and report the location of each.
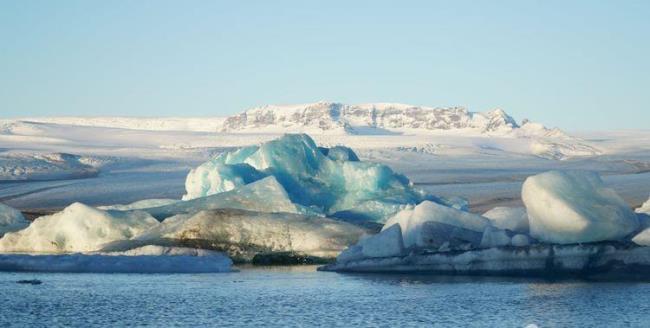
(300, 296)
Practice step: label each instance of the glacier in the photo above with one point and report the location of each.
(566, 207)
(331, 181)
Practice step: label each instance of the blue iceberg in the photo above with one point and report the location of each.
(332, 181)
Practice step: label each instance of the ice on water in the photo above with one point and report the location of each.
(147, 259)
(568, 207)
(11, 220)
(78, 228)
(510, 218)
(245, 233)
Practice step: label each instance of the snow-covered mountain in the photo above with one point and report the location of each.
(377, 118)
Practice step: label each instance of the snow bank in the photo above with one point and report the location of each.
(510, 218)
(575, 207)
(11, 220)
(244, 233)
(336, 184)
(149, 259)
(430, 225)
(78, 228)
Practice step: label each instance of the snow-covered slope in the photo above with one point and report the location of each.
(198, 124)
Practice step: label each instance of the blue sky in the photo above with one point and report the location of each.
(574, 64)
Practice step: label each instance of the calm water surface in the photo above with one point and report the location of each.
(300, 296)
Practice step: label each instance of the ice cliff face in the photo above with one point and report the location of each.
(337, 117)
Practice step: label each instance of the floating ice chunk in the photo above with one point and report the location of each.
(510, 218)
(599, 260)
(520, 240)
(342, 185)
(148, 259)
(265, 195)
(244, 233)
(493, 237)
(11, 220)
(642, 238)
(575, 207)
(645, 208)
(384, 244)
(78, 228)
(141, 204)
(430, 225)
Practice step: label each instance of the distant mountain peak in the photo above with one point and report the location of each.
(334, 117)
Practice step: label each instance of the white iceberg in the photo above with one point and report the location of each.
(509, 218)
(494, 237)
(78, 228)
(575, 207)
(430, 225)
(332, 181)
(387, 243)
(645, 208)
(148, 259)
(243, 234)
(11, 219)
(642, 238)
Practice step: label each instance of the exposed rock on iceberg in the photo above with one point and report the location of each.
(575, 207)
(243, 234)
(11, 220)
(336, 184)
(78, 228)
(510, 218)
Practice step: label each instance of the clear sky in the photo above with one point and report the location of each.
(573, 64)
